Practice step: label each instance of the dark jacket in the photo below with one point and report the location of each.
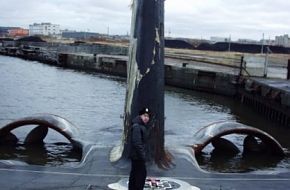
(139, 138)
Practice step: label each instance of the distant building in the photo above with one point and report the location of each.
(18, 32)
(44, 29)
(4, 31)
(282, 40)
(219, 39)
(247, 41)
(268, 42)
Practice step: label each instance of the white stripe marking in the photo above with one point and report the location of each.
(125, 176)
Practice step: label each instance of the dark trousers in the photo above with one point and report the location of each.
(137, 175)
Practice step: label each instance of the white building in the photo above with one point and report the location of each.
(215, 39)
(282, 40)
(45, 29)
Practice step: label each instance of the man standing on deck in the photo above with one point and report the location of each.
(138, 150)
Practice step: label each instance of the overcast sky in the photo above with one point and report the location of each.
(247, 19)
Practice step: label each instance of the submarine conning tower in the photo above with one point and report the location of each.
(145, 80)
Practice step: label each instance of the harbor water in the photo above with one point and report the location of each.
(95, 102)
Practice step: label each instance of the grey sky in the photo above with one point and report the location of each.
(183, 18)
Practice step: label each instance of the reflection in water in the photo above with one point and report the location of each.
(213, 159)
(41, 154)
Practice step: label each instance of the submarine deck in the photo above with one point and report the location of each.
(96, 172)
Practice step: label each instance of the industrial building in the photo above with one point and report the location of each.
(44, 29)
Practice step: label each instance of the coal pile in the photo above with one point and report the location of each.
(6, 39)
(31, 39)
(245, 48)
(225, 46)
(178, 44)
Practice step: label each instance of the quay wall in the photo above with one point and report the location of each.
(182, 77)
(114, 65)
(270, 101)
(194, 79)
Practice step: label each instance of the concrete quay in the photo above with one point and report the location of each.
(205, 77)
(271, 97)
